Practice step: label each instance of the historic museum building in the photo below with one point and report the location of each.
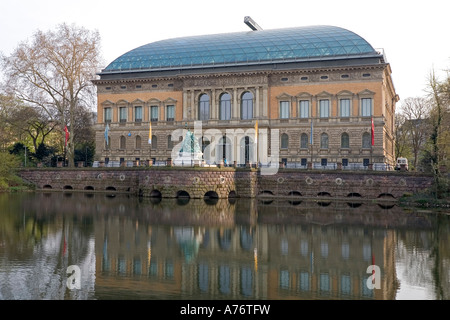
(317, 94)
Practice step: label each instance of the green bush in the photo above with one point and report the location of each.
(8, 165)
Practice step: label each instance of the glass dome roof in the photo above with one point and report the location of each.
(244, 48)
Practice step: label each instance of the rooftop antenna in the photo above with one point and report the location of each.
(252, 24)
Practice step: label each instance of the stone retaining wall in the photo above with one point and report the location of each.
(229, 182)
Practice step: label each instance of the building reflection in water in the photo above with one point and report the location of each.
(161, 249)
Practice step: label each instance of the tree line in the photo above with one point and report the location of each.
(47, 98)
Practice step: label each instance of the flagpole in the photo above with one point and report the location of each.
(311, 142)
(256, 141)
(150, 142)
(372, 142)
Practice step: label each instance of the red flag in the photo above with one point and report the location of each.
(67, 135)
(373, 133)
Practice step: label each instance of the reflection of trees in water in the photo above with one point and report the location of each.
(424, 258)
(46, 241)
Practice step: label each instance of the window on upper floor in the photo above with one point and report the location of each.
(247, 106)
(284, 109)
(366, 107)
(108, 114)
(123, 114)
(304, 109)
(154, 113)
(138, 114)
(324, 108)
(225, 107)
(204, 107)
(170, 113)
(344, 108)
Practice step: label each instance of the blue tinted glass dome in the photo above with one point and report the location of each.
(245, 48)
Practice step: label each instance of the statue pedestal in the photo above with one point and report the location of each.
(188, 159)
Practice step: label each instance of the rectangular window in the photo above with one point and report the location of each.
(154, 113)
(345, 162)
(345, 107)
(170, 113)
(304, 109)
(366, 107)
(324, 108)
(304, 162)
(284, 109)
(123, 114)
(108, 114)
(138, 114)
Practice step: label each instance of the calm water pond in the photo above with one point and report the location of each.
(64, 246)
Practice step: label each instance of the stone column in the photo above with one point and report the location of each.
(235, 109)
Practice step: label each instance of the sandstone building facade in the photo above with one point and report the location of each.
(313, 93)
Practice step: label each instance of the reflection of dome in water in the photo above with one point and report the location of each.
(189, 249)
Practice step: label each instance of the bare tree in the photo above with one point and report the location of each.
(402, 147)
(416, 112)
(54, 72)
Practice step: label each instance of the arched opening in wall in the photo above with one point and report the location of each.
(155, 194)
(89, 194)
(232, 197)
(386, 201)
(295, 195)
(67, 188)
(211, 197)
(267, 197)
(354, 203)
(47, 187)
(354, 194)
(112, 190)
(183, 197)
(386, 196)
(183, 194)
(325, 203)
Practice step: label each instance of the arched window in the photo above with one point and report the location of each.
(284, 141)
(225, 107)
(138, 142)
(304, 141)
(366, 140)
(154, 142)
(247, 106)
(345, 140)
(324, 141)
(122, 142)
(169, 142)
(203, 107)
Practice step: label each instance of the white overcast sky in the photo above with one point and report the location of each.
(415, 35)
